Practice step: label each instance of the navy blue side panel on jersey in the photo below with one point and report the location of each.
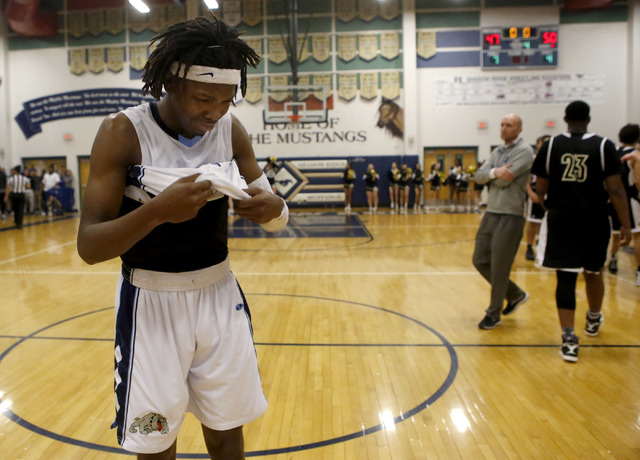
(124, 352)
(246, 308)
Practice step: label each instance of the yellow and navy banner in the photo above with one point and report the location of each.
(96, 60)
(303, 49)
(347, 48)
(114, 22)
(347, 86)
(279, 80)
(369, 85)
(426, 45)
(390, 45)
(76, 24)
(78, 61)
(252, 12)
(95, 22)
(368, 46)
(390, 84)
(321, 47)
(232, 12)
(277, 51)
(157, 18)
(346, 10)
(390, 9)
(254, 90)
(255, 44)
(137, 57)
(115, 59)
(367, 9)
(138, 22)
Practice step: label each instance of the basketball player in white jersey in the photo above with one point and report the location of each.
(184, 340)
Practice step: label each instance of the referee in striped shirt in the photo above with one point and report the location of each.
(16, 186)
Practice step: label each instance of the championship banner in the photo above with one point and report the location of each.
(389, 9)
(137, 21)
(346, 10)
(304, 80)
(323, 79)
(78, 61)
(303, 49)
(368, 46)
(158, 18)
(231, 12)
(390, 84)
(252, 12)
(367, 9)
(95, 22)
(426, 46)
(369, 85)
(277, 51)
(347, 86)
(279, 80)
(255, 44)
(321, 47)
(96, 60)
(254, 90)
(390, 45)
(137, 56)
(175, 14)
(347, 47)
(76, 24)
(114, 22)
(115, 59)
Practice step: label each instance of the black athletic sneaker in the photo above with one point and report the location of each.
(593, 325)
(530, 255)
(489, 323)
(613, 266)
(513, 306)
(569, 349)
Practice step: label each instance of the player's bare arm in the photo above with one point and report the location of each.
(263, 205)
(618, 196)
(103, 235)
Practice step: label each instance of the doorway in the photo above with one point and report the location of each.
(446, 157)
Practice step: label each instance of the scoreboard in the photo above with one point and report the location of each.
(519, 47)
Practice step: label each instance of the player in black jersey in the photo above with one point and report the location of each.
(629, 137)
(575, 171)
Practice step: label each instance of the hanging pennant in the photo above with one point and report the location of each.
(303, 49)
(426, 44)
(252, 12)
(390, 45)
(277, 51)
(254, 90)
(76, 24)
(368, 46)
(138, 21)
(390, 84)
(369, 85)
(321, 47)
(367, 9)
(138, 57)
(175, 14)
(158, 18)
(96, 60)
(231, 12)
(78, 61)
(114, 22)
(115, 59)
(347, 86)
(322, 79)
(389, 9)
(347, 47)
(279, 96)
(95, 22)
(346, 10)
(255, 44)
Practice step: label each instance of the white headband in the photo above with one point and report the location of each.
(207, 74)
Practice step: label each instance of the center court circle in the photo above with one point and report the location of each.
(453, 370)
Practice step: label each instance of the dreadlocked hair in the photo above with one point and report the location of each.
(200, 41)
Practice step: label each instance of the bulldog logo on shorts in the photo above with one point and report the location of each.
(149, 423)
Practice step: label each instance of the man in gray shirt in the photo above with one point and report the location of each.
(506, 172)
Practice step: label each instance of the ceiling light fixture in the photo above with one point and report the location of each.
(211, 4)
(139, 5)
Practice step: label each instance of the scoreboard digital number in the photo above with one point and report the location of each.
(521, 47)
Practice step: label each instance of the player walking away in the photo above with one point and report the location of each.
(348, 178)
(184, 339)
(629, 136)
(371, 187)
(576, 171)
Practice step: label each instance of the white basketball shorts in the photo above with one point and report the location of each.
(184, 343)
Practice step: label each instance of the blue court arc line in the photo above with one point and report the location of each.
(453, 370)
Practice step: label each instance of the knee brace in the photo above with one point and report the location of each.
(566, 290)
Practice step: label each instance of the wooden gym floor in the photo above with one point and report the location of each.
(366, 333)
